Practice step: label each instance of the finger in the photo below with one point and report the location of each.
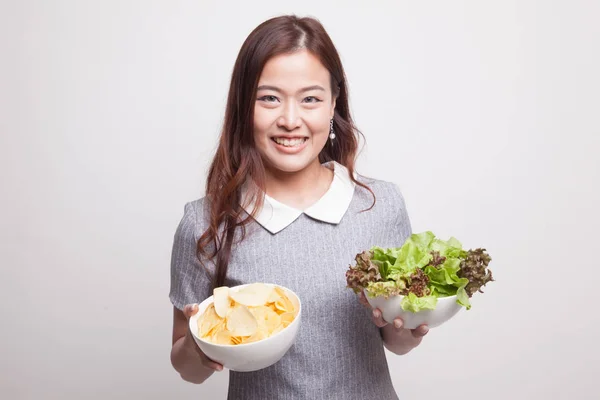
(420, 331)
(363, 300)
(190, 310)
(398, 324)
(207, 362)
(378, 318)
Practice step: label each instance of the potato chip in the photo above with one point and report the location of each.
(280, 292)
(259, 335)
(266, 318)
(252, 295)
(284, 305)
(216, 329)
(248, 315)
(295, 303)
(223, 337)
(208, 321)
(282, 302)
(241, 322)
(274, 296)
(287, 317)
(273, 321)
(222, 301)
(236, 339)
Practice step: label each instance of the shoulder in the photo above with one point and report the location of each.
(389, 208)
(197, 207)
(195, 218)
(386, 193)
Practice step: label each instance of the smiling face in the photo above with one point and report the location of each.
(294, 106)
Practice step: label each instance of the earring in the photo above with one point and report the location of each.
(331, 131)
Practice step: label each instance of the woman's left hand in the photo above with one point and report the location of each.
(400, 337)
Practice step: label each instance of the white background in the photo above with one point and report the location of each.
(484, 112)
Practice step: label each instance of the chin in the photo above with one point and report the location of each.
(290, 164)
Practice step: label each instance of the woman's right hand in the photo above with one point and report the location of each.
(190, 345)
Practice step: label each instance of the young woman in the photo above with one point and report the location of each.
(283, 205)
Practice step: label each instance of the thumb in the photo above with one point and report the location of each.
(189, 310)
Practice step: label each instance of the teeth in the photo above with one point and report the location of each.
(289, 142)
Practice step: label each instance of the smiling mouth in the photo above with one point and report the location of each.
(295, 142)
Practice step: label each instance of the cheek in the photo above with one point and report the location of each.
(318, 124)
(261, 125)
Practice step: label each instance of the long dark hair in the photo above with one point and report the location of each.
(237, 158)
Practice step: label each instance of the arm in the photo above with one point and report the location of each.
(186, 357)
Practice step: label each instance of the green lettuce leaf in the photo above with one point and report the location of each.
(462, 297)
(384, 259)
(442, 290)
(385, 289)
(445, 274)
(451, 248)
(444, 281)
(422, 240)
(410, 258)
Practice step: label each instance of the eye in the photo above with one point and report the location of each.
(268, 98)
(311, 99)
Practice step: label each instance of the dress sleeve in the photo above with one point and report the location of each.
(190, 281)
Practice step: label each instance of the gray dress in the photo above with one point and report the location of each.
(338, 353)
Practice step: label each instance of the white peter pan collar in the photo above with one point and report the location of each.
(331, 207)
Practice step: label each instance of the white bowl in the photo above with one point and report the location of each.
(446, 308)
(249, 356)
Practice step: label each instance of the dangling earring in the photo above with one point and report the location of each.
(331, 131)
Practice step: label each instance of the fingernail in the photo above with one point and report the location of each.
(376, 313)
(397, 324)
(425, 330)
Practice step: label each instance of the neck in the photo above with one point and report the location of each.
(299, 189)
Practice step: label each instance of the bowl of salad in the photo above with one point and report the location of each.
(425, 281)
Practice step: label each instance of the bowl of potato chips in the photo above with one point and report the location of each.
(247, 327)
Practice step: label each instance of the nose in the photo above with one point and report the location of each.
(290, 118)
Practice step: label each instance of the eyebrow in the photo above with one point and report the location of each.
(276, 89)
